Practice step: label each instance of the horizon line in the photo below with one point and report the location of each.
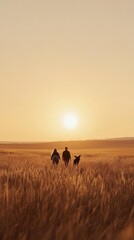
(78, 140)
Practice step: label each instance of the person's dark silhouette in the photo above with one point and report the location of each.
(66, 156)
(55, 157)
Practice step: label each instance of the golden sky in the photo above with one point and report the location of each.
(59, 57)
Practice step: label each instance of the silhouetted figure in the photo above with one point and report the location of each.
(55, 157)
(66, 156)
(76, 160)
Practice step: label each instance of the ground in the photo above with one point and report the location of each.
(92, 202)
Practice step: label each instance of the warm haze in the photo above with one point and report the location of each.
(66, 57)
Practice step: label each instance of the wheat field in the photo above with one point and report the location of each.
(92, 202)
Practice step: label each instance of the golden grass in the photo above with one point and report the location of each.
(92, 202)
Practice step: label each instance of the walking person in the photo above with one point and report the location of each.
(66, 156)
(55, 157)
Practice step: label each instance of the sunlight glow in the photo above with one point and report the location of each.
(70, 121)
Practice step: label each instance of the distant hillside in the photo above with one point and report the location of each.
(85, 144)
(122, 139)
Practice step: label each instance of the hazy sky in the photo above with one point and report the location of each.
(60, 56)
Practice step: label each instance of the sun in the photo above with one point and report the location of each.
(70, 121)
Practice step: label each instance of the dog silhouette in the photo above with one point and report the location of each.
(76, 160)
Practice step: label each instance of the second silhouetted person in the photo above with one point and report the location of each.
(66, 156)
